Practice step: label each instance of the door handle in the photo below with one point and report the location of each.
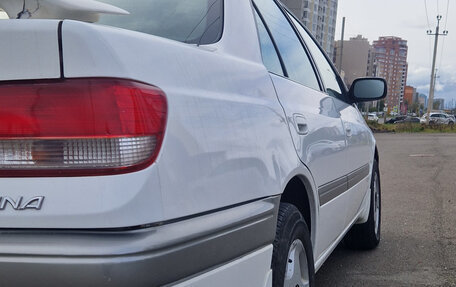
(301, 124)
(348, 129)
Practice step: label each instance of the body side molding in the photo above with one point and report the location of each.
(333, 189)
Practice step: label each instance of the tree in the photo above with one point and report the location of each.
(436, 106)
(406, 104)
(361, 106)
(414, 108)
(381, 105)
(421, 111)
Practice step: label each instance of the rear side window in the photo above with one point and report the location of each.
(189, 21)
(326, 72)
(295, 59)
(268, 51)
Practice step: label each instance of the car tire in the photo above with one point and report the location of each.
(366, 236)
(450, 123)
(292, 258)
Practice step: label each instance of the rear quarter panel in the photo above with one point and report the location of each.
(226, 139)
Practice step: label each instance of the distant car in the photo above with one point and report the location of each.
(372, 117)
(395, 119)
(438, 118)
(409, 120)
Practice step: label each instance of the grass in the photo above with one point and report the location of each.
(410, 128)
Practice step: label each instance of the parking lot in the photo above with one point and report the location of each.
(418, 246)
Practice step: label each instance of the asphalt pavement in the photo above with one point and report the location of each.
(418, 244)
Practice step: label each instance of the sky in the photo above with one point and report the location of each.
(407, 19)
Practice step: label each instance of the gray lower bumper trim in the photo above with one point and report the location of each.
(149, 257)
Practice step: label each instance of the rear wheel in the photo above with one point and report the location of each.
(367, 235)
(292, 261)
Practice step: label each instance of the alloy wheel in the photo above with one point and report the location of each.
(297, 271)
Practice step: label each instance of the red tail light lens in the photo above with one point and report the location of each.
(79, 127)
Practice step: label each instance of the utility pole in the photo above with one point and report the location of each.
(385, 111)
(431, 88)
(435, 79)
(342, 45)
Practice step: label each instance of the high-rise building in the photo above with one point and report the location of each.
(391, 60)
(439, 104)
(422, 100)
(320, 18)
(409, 95)
(358, 59)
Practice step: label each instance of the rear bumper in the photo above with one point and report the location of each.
(252, 270)
(153, 256)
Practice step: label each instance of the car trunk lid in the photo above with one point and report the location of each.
(29, 49)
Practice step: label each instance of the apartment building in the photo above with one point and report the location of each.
(391, 61)
(319, 16)
(358, 59)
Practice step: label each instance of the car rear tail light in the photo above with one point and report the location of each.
(79, 127)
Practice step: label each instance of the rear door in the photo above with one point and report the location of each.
(435, 118)
(445, 119)
(313, 117)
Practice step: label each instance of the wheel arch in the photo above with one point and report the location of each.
(377, 159)
(299, 192)
(376, 154)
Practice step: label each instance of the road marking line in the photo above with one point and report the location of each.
(421, 155)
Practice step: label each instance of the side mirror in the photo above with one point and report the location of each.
(368, 89)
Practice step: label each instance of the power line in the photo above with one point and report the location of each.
(429, 29)
(446, 14)
(427, 16)
(443, 41)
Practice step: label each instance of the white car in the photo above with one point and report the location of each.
(187, 143)
(372, 117)
(438, 118)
